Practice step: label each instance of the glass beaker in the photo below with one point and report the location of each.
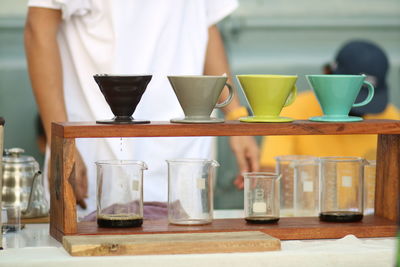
(284, 167)
(11, 218)
(190, 191)
(120, 193)
(341, 189)
(261, 197)
(306, 187)
(369, 187)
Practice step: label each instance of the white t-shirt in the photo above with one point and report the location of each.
(134, 37)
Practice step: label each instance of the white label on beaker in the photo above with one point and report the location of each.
(135, 185)
(346, 181)
(308, 186)
(201, 183)
(259, 207)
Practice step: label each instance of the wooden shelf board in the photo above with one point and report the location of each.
(285, 229)
(229, 128)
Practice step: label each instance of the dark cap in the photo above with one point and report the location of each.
(364, 57)
(1, 121)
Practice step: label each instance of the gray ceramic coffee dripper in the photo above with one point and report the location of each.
(122, 94)
(198, 96)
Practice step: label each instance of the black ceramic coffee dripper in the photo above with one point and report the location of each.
(122, 94)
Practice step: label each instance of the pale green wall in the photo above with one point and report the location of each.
(262, 36)
(12, 8)
(17, 105)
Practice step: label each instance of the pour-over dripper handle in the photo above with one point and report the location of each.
(292, 96)
(369, 97)
(229, 99)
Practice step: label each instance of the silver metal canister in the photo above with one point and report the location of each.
(1, 173)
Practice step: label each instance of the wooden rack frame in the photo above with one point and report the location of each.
(63, 219)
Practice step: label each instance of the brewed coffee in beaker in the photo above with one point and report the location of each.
(341, 189)
(120, 193)
(261, 197)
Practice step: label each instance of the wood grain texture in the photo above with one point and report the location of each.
(56, 201)
(387, 188)
(229, 128)
(286, 229)
(68, 178)
(45, 219)
(62, 199)
(156, 244)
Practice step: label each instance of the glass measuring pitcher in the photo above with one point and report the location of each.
(120, 193)
(261, 197)
(341, 189)
(306, 187)
(285, 167)
(190, 191)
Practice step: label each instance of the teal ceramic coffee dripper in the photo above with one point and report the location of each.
(336, 95)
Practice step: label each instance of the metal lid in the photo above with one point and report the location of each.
(2, 121)
(13, 155)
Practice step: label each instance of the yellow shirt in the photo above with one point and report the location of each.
(306, 105)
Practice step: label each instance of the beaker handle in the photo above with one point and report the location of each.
(144, 165)
(214, 163)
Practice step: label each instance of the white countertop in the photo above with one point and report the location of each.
(33, 246)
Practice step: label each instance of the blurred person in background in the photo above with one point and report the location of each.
(355, 57)
(68, 41)
(40, 136)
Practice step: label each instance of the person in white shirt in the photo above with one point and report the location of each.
(67, 41)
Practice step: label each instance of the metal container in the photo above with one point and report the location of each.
(1, 174)
(23, 184)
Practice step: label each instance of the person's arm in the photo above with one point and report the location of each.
(45, 72)
(245, 147)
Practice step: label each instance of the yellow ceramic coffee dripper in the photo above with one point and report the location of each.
(267, 95)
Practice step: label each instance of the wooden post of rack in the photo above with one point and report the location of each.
(387, 189)
(63, 219)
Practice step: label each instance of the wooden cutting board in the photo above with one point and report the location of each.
(147, 244)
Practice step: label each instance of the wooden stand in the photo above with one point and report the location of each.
(63, 219)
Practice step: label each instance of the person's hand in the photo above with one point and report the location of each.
(246, 151)
(81, 181)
